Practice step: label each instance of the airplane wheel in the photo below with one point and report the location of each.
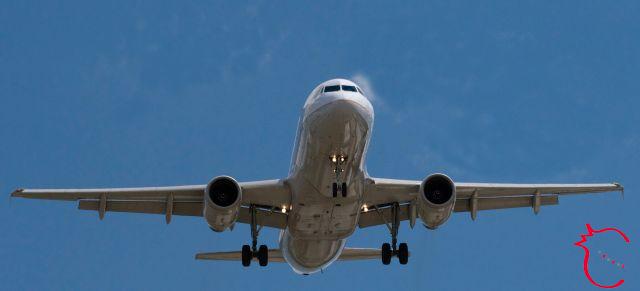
(386, 253)
(344, 189)
(263, 255)
(403, 253)
(335, 190)
(246, 255)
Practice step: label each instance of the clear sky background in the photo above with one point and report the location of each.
(143, 93)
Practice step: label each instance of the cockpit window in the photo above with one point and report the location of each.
(349, 88)
(360, 90)
(333, 88)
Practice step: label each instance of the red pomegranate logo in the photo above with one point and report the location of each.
(585, 263)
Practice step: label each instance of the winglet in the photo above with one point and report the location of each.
(619, 188)
(17, 193)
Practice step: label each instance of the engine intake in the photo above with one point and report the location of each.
(222, 198)
(436, 200)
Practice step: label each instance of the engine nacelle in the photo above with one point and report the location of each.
(222, 198)
(436, 200)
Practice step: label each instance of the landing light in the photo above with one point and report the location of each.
(284, 209)
(364, 208)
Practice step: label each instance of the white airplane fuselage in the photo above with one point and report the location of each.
(333, 124)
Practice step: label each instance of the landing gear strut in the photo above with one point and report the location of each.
(338, 161)
(393, 249)
(250, 252)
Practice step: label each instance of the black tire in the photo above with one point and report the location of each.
(403, 253)
(263, 255)
(246, 255)
(344, 189)
(386, 253)
(335, 190)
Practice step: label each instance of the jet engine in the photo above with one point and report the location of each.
(222, 198)
(436, 199)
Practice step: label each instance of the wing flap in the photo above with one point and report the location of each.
(464, 205)
(264, 217)
(383, 214)
(149, 207)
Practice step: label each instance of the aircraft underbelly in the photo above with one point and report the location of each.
(319, 223)
(337, 129)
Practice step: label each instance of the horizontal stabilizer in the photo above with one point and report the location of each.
(275, 256)
(353, 254)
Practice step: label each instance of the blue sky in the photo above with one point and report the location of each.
(140, 93)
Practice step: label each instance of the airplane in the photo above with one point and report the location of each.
(327, 194)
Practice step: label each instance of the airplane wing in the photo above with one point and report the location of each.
(268, 195)
(470, 197)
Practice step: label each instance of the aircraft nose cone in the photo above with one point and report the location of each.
(345, 107)
(340, 112)
(342, 106)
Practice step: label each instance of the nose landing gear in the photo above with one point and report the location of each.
(339, 188)
(338, 162)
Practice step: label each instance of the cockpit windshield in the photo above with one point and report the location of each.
(333, 88)
(349, 88)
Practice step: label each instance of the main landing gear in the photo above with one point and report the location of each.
(393, 249)
(250, 252)
(338, 187)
